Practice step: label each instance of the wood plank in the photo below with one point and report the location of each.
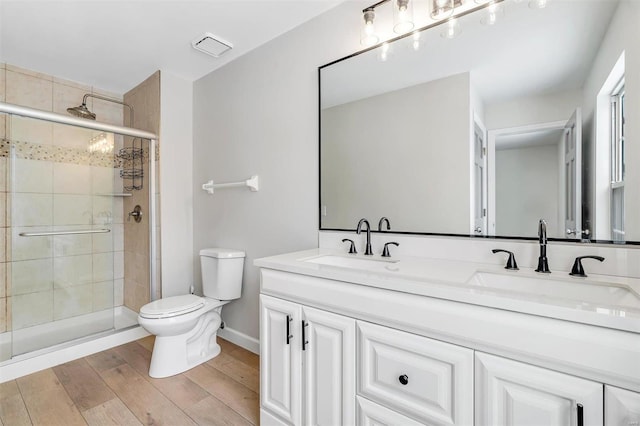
(147, 342)
(180, 389)
(83, 384)
(240, 353)
(112, 412)
(237, 396)
(237, 370)
(136, 356)
(211, 411)
(13, 412)
(105, 360)
(8, 389)
(147, 403)
(47, 401)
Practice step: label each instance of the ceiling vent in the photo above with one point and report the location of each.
(211, 45)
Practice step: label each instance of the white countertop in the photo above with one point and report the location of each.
(454, 280)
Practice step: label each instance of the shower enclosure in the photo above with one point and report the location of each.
(69, 184)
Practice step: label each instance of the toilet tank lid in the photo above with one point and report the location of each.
(221, 253)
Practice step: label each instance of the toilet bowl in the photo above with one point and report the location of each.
(186, 326)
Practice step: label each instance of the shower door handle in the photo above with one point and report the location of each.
(75, 232)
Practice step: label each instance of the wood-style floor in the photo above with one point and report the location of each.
(113, 388)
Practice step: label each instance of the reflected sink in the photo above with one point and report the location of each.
(549, 288)
(352, 262)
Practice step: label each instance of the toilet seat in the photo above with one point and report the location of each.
(172, 306)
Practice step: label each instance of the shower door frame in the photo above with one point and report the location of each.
(121, 130)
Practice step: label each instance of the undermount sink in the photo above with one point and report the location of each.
(547, 287)
(352, 262)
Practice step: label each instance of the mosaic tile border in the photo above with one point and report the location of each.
(62, 154)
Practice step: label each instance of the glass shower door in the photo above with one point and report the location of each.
(66, 232)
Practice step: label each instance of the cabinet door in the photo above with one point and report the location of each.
(621, 407)
(329, 368)
(280, 363)
(518, 394)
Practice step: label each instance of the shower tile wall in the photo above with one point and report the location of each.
(52, 159)
(145, 99)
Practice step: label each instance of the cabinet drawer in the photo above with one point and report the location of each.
(424, 379)
(372, 414)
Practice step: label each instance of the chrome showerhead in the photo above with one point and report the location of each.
(82, 111)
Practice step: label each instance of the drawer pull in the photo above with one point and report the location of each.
(404, 379)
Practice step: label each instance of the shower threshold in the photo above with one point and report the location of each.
(97, 335)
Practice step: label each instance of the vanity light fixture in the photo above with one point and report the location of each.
(442, 9)
(402, 16)
(369, 36)
(439, 12)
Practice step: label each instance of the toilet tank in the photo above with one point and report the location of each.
(221, 273)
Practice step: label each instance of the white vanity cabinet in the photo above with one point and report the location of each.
(377, 355)
(621, 407)
(307, 371)
(513, 393)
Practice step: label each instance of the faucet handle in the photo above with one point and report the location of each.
(577, 270)
(385, 250)
(511, 261)
(352, 247)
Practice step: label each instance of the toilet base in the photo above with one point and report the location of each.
(176, 354)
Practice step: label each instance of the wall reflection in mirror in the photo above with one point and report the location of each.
(488, 131)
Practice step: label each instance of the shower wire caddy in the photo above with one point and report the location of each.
(132, 171)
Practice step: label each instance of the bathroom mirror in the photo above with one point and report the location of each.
(487, 132)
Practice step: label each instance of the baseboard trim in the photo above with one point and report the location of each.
(240, 339)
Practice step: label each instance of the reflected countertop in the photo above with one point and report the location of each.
(605, 301)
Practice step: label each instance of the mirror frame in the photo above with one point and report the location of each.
(438, 234)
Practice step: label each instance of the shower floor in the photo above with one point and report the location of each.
(30, 341)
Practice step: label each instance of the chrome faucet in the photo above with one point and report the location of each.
(367, 250)
(543, 264)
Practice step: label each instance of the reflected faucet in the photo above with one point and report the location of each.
(383, 220)
(367, 250)
(543, 264)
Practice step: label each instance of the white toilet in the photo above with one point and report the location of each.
(186, 326)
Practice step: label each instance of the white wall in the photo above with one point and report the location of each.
(259, 115)
(526, 190)
(403, 154)
(176, 184)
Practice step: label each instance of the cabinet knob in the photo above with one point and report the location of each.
(404, 379)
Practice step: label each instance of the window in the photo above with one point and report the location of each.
(617, 162)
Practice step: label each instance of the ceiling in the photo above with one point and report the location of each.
(114, 45)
